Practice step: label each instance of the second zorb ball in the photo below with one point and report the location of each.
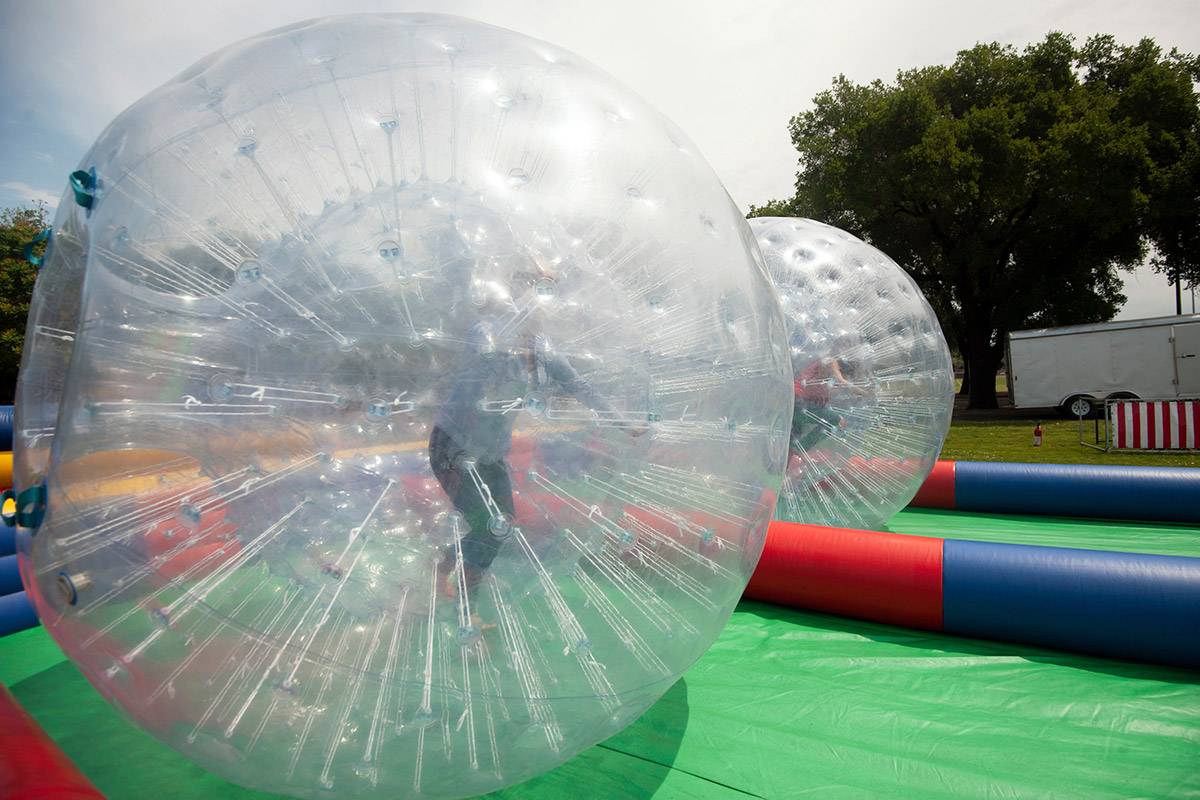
(410, 402)
(874, 384)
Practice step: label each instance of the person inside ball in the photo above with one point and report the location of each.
(843, 372)
(506, 366)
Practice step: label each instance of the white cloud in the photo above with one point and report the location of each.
(24, 194)
(1150, 295)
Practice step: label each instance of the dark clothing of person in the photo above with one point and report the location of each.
(479, 547)
(475, 425)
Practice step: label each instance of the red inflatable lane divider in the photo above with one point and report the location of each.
(883, 577)
(32, 767)
(938, 489)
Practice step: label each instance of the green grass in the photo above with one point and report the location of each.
(1012, 440)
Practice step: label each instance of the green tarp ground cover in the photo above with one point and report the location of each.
(1126, 537)
(789, 703)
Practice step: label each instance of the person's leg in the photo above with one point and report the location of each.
(481, 544)
(800, 423)
(445, 458)
(820, 421)
(478, 490)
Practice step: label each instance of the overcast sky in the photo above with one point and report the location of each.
(731, 73)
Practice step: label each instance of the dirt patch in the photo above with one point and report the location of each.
(1006, 411)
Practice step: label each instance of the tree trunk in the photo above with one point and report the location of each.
(982, 367)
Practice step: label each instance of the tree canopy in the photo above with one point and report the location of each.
(18, 226)
(1012, 184)
(1158, 94)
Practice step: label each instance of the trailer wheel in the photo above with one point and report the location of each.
(1077, 406)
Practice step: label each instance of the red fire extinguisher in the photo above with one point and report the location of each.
(1037, 435)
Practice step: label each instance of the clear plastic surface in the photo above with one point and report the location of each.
(874, 385)
(412, 402)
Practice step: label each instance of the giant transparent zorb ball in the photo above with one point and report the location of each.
(874, 384)
(411, 402)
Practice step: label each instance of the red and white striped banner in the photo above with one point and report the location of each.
(1156, 424)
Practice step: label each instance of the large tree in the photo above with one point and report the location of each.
(1158, 93)
(1011, 184)
(18, 227)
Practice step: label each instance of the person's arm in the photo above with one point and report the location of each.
(563, 372)
(835, 370)
(560, 369)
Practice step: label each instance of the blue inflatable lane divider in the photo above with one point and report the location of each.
(1162, 494)
(1119, 605)
(6, 429)
(16, 614)
(10, 576)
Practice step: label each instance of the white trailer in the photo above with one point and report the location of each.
(1076, 368)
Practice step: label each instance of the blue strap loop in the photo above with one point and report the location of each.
(28, 249)
(83, 184)
(31, 507)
